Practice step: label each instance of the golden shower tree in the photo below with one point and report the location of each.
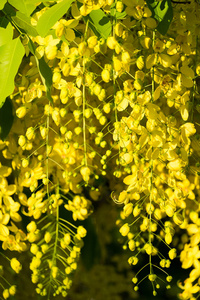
(99, 117)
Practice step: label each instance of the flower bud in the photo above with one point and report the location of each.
(128, 208)
(30, 133)
(6, 294)
(178, 218)
(152, 277)
(85, 172)
(22, 140)
(81, 231)
(111, 42)
(82, 47)
(172, 253)
(15, 265)
(51, 52)
(25, 163)
(12, 290)
(56, 77)
(92, 42)
(119, 6)
(31, 227)
(21, 112)
(105, 75)
(124, 230)
(47, 237)
(88, 113)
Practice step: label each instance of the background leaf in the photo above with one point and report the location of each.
(163, 12)
(6, 34)
(6, 119)
(99, 23)
(2, 3)
(4, 22)
(24, 6)
(51, 16)
(20, 19)
(11, 55)
(24, 22)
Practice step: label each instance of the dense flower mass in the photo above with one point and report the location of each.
(120, 121)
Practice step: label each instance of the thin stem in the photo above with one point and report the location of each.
(55, 248)
(84, 104)
(47, 148)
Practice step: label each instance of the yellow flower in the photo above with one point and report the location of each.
(188, 129)
(13, 208)
(187, 75)
(80, 207)
(175, 165)
(145, 41)
(189, 256)
(151, 60)
(4, 231)
(15, 242)
(159, 46)
(165, 60)
(4, 171)
(35, 90)
(134, 8)
(178, 218)
(121, 101)
(64, 27)
(47, 46)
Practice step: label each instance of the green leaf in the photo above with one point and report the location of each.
(20, 19)
(24, 6)
(163, 12)
(11, 55)
(8, 10)
(2, 3)
(6, 118)
(4, 22)
(24, 22)
(99, 23)
(44, 70)
(51, 16)
(6, 34)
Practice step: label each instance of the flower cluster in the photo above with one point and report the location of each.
(155, 142)
(55, 254)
